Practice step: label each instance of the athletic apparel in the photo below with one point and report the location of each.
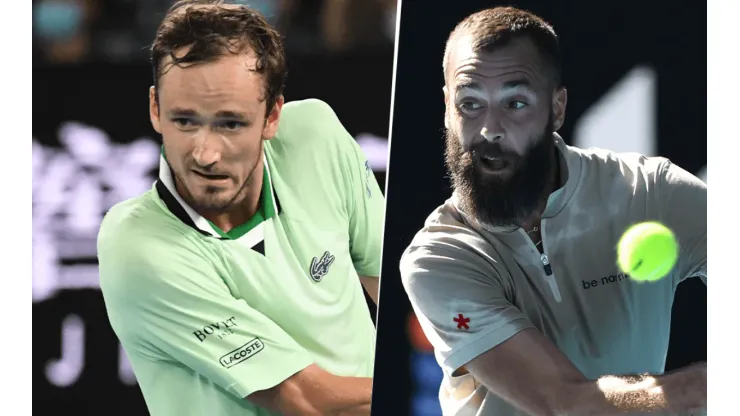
(208, 318)
(473, 286)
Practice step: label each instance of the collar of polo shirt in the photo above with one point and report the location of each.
(269, 206)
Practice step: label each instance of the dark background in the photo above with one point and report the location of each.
(96, 75)
(602, 42)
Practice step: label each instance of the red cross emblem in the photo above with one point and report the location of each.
(462, 321)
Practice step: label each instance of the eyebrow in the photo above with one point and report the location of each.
(175, 112)
(186, 112)
(514, 84)
(516, 87)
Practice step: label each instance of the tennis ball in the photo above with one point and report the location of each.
(647, 251)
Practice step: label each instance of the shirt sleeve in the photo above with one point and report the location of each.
(683, 198)
(165, 298)
(365, 203)
(461, 305)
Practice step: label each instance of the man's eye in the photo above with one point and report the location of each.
(470, 105)
(232, 125)
(183, 123)
(517, 105)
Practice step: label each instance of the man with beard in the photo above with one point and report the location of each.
(514, 279)
(234, 284)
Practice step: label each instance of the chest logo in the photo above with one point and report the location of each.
(320, 266)
(461, 321)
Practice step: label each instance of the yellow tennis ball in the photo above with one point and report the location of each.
(647, 251)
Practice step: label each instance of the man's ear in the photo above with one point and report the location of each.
(273, 119)
(154, 110)
(559, 103)
(447, 112)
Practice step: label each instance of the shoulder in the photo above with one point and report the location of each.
(309, 119)
(310, 125)
(137, 220)
(673, 176)
(636, 167)
(308, 110)
(446, 245)
(313, 152)
(137, 240)
(635, 183)
(626, 162)
(627, 171)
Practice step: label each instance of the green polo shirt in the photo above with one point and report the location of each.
(208, 318)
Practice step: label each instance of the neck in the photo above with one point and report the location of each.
(241, 212)
(533, 220)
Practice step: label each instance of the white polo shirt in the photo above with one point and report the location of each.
(472, 286)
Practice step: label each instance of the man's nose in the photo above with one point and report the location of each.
(491, 135)
(491, 132)
(208, 148)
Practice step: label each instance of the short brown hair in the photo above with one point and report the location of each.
(492, 28)
(213, 29)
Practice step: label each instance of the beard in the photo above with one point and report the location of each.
(502, 201)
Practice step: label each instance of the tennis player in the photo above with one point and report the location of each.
(514, 279)
(234, 284)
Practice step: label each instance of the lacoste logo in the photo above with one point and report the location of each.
(320, 267)
(243, 353)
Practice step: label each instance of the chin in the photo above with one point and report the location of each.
(212, 199)
(213, 205)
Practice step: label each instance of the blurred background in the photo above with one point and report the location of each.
(93, 146)
(636, 79)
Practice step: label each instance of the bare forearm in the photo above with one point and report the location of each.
(352, 398)
(342, 396)
(614, 395)
(681, 391)
(372, 286)
(361, 410)
(316, 392)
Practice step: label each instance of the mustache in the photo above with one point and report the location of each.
(492, 150)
